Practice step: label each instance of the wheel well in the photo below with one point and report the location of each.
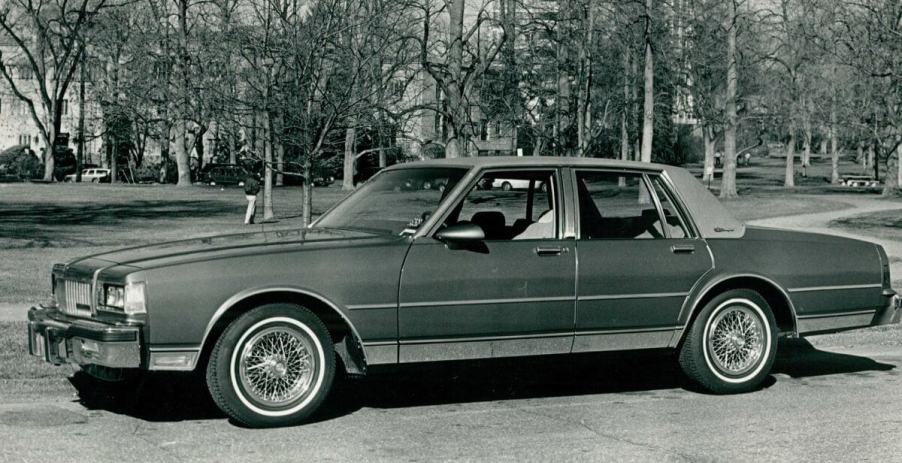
(347, 346)
(776, 299)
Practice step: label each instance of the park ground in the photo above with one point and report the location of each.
(588, 408)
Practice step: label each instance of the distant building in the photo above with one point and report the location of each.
(17, 126)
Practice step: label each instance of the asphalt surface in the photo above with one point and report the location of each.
(821, 404)
(838, 400)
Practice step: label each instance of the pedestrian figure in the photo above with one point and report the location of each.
(717, 160)
(251, 188)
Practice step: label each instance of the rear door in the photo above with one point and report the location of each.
(638, 259)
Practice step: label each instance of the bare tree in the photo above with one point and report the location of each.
(47, 34)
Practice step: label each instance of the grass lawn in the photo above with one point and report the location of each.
(883, 224)
(41, 224)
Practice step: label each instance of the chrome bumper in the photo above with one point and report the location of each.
(60, 339)
(891, 313)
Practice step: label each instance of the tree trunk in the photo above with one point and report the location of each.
(789, 180)
(872, 161)
(456, 144)
(347, 182)
(80, 156)
(267, 173)
(278, 151)
(181, 154)
(893, 182)
(806, 147)
(624, 120)
(862, 158)
(728, 178)
(165, 130)
(834, 151)
(710, 143)
(584, 103)
(307, 188)
(648, 119)
(114, 158)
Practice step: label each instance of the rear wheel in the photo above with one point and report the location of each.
(731, 346)
(273, 366)
(506, 186)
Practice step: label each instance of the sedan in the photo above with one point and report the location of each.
(609, 256)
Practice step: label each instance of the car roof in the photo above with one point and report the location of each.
(531, 161)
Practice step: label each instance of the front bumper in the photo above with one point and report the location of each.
(59, 339)
(891, 312)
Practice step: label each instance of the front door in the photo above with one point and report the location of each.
(638, 260)
(511, 294)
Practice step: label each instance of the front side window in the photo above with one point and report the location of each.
(616, 205)
(511, 205)
(395, 201)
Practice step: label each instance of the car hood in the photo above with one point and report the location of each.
(173, 252)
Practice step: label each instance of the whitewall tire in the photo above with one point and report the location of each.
(731, 345)
(272, 366)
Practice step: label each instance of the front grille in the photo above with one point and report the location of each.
(77, 300)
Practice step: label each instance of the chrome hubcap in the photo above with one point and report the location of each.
(276, 367)
(736, 340)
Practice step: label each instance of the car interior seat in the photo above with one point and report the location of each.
(493, 224)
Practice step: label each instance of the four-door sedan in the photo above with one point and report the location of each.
(610, 256)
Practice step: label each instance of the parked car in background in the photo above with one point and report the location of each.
(224, 174)
(92, 175)
(508, 184)
(612, 256)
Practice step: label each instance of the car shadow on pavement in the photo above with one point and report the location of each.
(163, 397)
(171, 397)
(797, 358)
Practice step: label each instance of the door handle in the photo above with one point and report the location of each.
(682, 248)
(550, 250)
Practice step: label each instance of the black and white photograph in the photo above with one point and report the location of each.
(450, 230)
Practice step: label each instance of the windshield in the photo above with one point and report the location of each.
(394, 201)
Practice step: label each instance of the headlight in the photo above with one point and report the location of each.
(114, 297)
(129, 298)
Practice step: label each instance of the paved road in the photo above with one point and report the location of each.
(833, 404)
(838, 400)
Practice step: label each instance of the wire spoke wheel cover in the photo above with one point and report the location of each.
(275, 366)
(735, 339)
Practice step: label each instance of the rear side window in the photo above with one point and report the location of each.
(616, 205)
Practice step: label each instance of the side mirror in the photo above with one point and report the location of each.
(461, 233)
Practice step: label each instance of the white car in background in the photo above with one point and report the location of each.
(508, 184)
(91, 175)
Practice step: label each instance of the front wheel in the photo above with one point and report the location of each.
(731, 346)
(273, 366)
